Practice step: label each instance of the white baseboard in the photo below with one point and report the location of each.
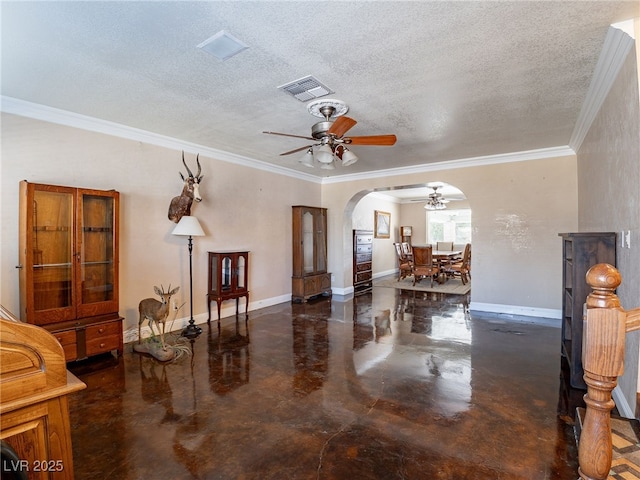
(227, 309)
(624, 408)
(515, 310)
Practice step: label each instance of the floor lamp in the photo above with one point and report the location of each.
(189, 226)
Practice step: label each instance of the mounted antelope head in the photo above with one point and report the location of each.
(181, 205)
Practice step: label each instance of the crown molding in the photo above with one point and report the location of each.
(53, 115)
(617, 45)
(48, 114)
(523, 156)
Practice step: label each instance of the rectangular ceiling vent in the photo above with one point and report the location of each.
(223, 45)
(306, 88)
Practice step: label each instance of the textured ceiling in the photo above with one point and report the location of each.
(452, 80)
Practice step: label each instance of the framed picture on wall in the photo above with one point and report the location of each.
(382, 224)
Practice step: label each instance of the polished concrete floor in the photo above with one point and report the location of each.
(389, 385)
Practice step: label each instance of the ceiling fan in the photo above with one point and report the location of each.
(435, 200)
(329, 136)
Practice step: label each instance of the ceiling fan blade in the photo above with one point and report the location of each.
(289, 135)
(296, 150)
(340, 126)
(379, 140)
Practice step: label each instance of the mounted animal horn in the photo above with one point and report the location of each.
(197, 175)
(181, 205)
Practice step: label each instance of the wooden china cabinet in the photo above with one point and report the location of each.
(228, 277)
(310, 277)
(68, 251)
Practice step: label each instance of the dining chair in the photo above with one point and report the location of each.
(423, 264)
(406, 249)
(448, 246)
(462, 268)
(404, 262)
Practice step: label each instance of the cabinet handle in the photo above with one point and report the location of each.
(100, 330)
(102, 345)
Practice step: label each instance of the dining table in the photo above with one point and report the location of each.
(444, 257)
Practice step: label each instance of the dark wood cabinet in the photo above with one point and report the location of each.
(310, 277)
(228, 279)
(68, 249)
(362, 261)
(580, 251)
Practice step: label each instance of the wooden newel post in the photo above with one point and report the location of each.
(603, 343)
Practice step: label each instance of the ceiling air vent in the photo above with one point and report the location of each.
(223, 45)
(306, 88)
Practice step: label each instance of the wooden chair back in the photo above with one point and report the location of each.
(404, 262)
(444, 246)
(423, 256)
(423, 265)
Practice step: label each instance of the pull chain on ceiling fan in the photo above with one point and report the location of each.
(329, 136)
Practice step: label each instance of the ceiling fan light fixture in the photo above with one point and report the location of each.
(324, 154)
(307, 158)
(328, 166)
(348, 157)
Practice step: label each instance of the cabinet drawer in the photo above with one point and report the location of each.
(66, 337)
(363, 258)
(363, 277)
(364, 248)
(103, 337)
(363, 267)
(68, 340)
(102, 344)
(364, 239)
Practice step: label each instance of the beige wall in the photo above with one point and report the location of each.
(518, 210)
(242, 208)
(609, 199)
(384, 257)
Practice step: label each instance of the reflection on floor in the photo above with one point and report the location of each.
(391, 384)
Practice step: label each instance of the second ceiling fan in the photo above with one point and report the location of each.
(329, 136)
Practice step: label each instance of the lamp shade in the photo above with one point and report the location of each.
(348, 158)
(324, 154)
(307, 159)
(188, 226)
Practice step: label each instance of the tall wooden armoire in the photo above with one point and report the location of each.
(69, 266)
(310, 277)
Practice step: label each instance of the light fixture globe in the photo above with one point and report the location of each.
(348, 157)
(324, 154)
(328, 166)
(307, 159)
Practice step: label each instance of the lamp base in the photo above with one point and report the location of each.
(191, 330)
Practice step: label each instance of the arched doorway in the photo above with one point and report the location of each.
(406, 205)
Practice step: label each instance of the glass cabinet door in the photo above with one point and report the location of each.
(96, 254)
(308, 260)
(241, 281)
(226, 273)
(320, 243)
(52, 250)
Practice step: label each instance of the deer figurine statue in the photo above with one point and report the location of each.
(181, 205)
(156, 311)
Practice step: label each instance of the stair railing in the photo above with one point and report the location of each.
(603, 339)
